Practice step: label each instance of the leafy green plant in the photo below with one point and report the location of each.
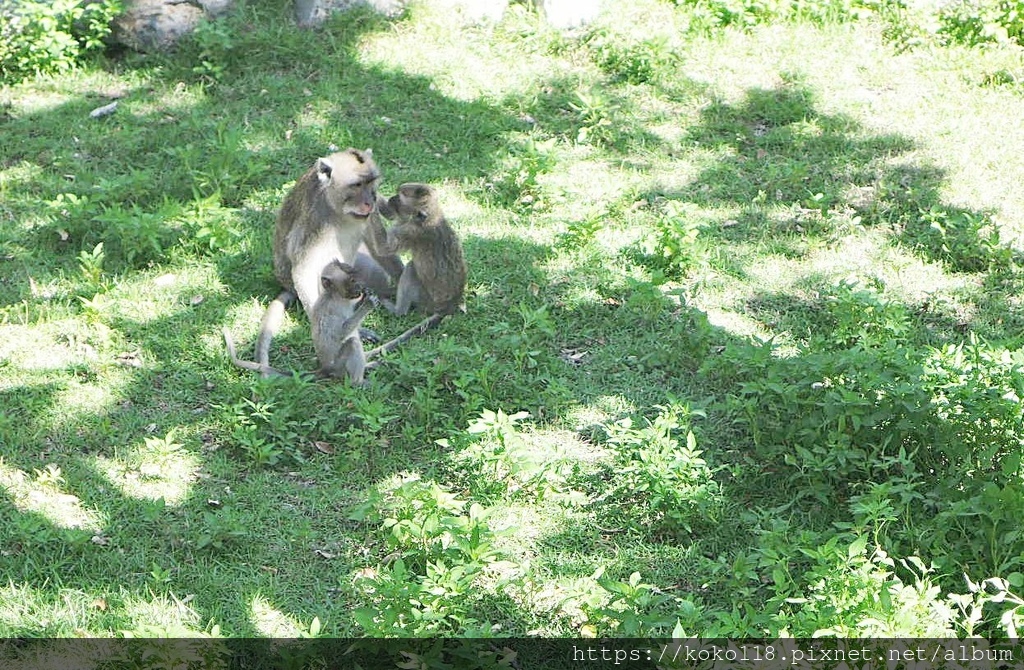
(173, 646)
(632, 609)
(520, 184)
(221, 529)
(265, 431)
(503, 461)
(90, 266)
(978, 21)
(671, 247)
(636, 61)
(968, 242)
(48, 37)
(581, 232)
(594, 112)
(995, 591)
(213, 226)
(440, 547)
(136, 235)
(214, 41)
(676, 481)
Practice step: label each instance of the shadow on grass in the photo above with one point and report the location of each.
(795, 171)
(277, 538)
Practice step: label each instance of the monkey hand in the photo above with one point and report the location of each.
(368, 297)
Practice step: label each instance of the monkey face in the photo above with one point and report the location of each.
(349, 181)
(340, 279)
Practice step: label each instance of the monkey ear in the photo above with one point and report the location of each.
(323, 169)
(368, 153)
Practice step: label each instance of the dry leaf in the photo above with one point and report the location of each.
(99, 604)
(196, 299)
(100, 540)
(534, 289)
(131, 359)
(366, 573)
(324, 447)
(573, 356)
(323, 554)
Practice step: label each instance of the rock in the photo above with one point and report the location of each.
(562, 14)
(156, 25)
(565, 14)
(313, 12)
(477, 11)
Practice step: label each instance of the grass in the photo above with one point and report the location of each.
(755, 291)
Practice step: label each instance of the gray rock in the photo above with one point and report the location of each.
(310, 13)
(562, 14)
(156, 25)
(565, 14)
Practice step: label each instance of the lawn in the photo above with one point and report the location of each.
(743, 319)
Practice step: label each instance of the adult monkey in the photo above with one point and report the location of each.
(328, 215)
(335, 335)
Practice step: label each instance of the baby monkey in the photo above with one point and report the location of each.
(335, 333)
(434, 279)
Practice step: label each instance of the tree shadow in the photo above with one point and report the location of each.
(643, 344)
(794, 171)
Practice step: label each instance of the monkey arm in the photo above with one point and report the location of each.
(376, 239)
(351, 325)
(385, 208)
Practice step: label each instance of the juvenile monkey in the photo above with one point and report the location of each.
(335, 333)
(334, 321)
(434, 279)
(324, 218)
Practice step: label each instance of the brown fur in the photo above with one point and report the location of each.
(434, 279)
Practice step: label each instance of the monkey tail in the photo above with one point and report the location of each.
(423, 326)
(233, 355)
(269, 326)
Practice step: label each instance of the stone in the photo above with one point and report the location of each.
(562, 14)
(567, 14)
(157, 25)
(310, 13)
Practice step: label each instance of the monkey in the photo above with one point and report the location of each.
(337, 315)
(434, 279)
(335, 332)
(326, 216)
(323, 218)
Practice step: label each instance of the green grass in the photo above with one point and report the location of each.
(788, 254)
